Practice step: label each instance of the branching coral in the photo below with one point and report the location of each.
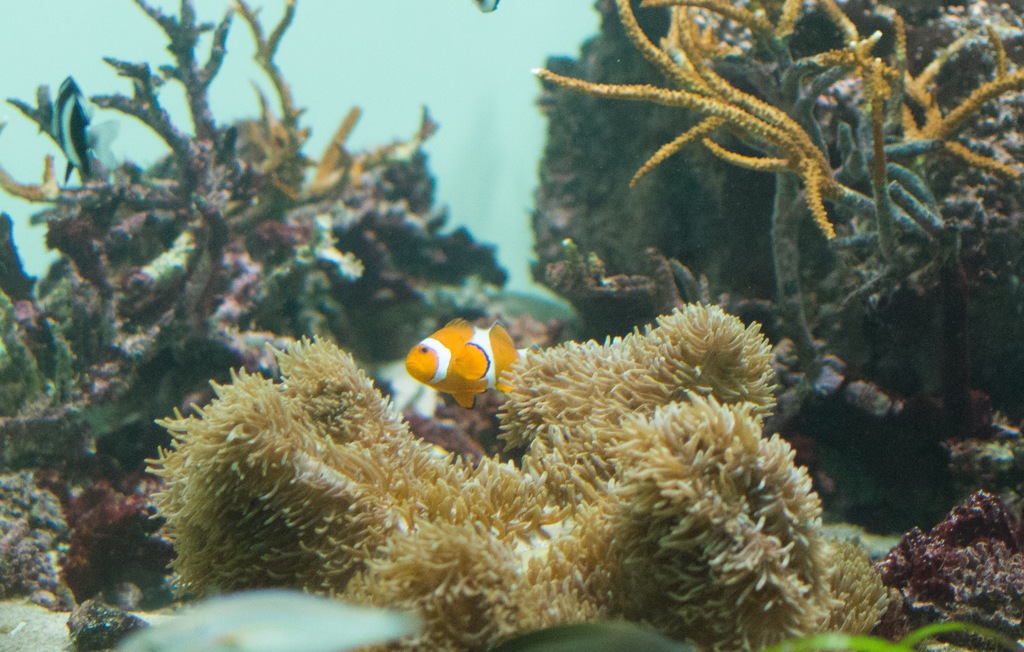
(686, 58)
(648, 492)
(767, 100)
(702, 90)
(174, 274)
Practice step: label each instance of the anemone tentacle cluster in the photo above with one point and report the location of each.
(647, 492)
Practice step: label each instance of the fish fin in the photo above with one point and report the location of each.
(101, 138)
(500, 339)
(505, 355)
(455, 333)
(67, 172)
(465, 399)
(459, 322)
(470, 363)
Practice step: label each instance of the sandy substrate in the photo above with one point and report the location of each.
(30, 628)
(25, 627)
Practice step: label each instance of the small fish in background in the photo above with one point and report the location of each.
(79, 141)
(487, 5)
(463, 360)
(70, 122)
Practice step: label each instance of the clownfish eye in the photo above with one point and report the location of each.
(424, 349)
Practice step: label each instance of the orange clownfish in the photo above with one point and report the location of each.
(463, 360)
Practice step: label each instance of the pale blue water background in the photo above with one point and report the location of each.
(389, 57)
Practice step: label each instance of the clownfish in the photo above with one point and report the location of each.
(463, 360)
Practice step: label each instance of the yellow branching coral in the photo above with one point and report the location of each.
(648, 492)
(702, 90)
(686, 56)
(939, 126)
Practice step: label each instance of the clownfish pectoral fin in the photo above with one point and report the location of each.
(465, 399)
(472, 362)
(503, 387)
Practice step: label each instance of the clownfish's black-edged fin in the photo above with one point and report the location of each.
(499, 335)
(458, 322)
(486, 358)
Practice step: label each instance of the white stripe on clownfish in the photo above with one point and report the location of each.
(463, 360)
(444, 358)
(482, 340)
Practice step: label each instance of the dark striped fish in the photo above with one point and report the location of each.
(70, 122)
